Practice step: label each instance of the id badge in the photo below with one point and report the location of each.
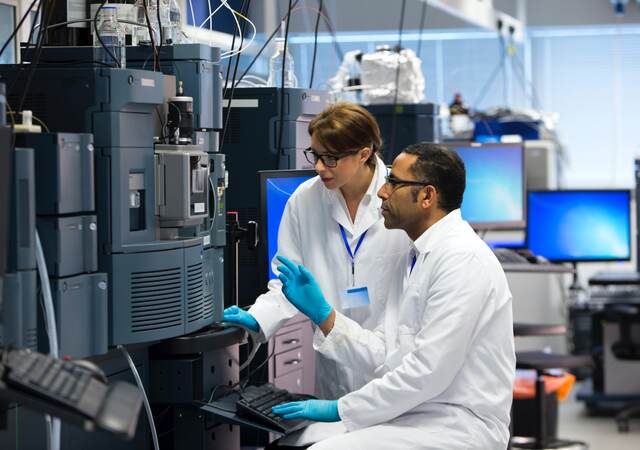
(354, 297)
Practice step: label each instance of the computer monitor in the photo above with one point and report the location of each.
(495, 194)
(276, 186)
(580, 225)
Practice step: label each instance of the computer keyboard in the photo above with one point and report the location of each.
(508, 256)
(69, 390)
(256, 402)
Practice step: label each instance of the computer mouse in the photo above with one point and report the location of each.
(92, 368)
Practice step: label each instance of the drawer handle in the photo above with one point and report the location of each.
(290, 341)
(292, 362)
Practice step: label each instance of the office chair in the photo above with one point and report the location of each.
(541, 362)
(625, 349)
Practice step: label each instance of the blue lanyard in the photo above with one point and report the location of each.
(352, 255)
(413, 262)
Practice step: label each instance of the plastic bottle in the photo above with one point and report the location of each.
(112, 36)
(172, 31)
(143, 31)
(275, 67)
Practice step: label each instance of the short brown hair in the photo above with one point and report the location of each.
(344, 127)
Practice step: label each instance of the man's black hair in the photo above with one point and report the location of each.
(441, 167)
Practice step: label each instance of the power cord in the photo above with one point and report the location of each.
(315, 43)
(394, 117)
(17, 28)
(284, 65)
(245, 10)
(37, 53)
(147, 406)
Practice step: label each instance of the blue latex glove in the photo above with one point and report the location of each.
(302, 291)
(318, 410)
(237, 315)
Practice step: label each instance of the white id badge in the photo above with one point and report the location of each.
(354, 297)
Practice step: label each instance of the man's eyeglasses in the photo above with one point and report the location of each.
(397, 182)
(327, 159)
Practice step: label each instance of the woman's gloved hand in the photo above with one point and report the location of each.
(302, 291)
(318, 410)
(233, 314)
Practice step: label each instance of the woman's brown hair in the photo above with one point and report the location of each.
(344, 127)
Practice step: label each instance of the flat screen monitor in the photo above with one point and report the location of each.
(495, 194)
(276, 186)
(580, 225)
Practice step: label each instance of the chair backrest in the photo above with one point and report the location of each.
(625, 316)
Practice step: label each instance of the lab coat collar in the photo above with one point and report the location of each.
(369, 209)
(427, 240)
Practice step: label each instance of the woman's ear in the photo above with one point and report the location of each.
(365, 154)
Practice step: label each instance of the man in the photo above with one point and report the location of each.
(457, 106)
(444, 353)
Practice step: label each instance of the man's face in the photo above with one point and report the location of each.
(399, 207)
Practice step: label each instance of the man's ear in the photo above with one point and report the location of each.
(429, 196)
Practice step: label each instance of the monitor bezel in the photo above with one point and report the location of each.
(263, 244)
(500, 225)
(590, 190)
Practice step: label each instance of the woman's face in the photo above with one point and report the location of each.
(346, 169)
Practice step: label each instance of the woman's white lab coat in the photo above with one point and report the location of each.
(309, 234)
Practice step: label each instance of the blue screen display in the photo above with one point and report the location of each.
(579, 225)
(278, 191)
(494, 195)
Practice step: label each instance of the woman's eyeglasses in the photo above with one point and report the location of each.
(327, 159)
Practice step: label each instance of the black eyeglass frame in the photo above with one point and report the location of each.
(315, 156)
(395, 182)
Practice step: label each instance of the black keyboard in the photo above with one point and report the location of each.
(256, 402)
(41, 382)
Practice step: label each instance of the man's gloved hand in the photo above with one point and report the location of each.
(233, 314)
(318, 410)
(302, 291)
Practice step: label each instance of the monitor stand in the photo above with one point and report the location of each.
(575, 283)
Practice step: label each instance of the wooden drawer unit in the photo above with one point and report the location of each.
(292, 366)
(288, 341)
(288, 362)
(293, 381)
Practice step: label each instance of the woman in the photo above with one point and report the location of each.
(332, 225)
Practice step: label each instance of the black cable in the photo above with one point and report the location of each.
(336, 44)
(250, 372)
(284, 65)
(269, 39)
(226, 80)
(37, 53)
(159, 46)
(394, 117)
(154, 50)
(33, 23)
(244, 10)
(95, 30)
(423, 18)
(315, 43)
(17, 28)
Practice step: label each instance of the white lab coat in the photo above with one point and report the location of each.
(444, 354)
(309, 234)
